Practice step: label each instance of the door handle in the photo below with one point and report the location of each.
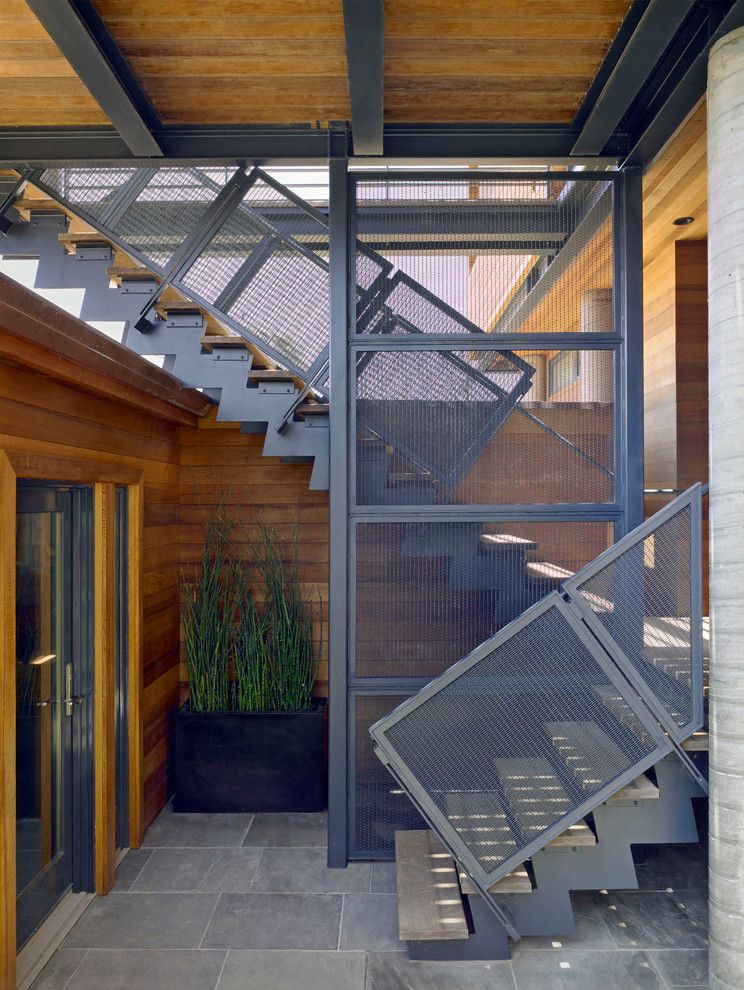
(70, 699)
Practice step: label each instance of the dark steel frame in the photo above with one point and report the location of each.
(623, 513)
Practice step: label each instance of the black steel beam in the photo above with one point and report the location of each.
(296, 144)
(680, 81)
(653, 34)
(363, 29)
(79, 33)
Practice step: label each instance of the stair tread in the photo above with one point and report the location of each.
(574, 740)
(313, 409)
(137, 273)
(177, 306)
(697, 742)
(545, 569)
(516, 882)
(215, 339)
(271, 375)
(83, 237)
(25, 205)
(640, 789)
(429, 899)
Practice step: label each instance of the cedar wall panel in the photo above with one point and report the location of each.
(220, 462)
(52, 418)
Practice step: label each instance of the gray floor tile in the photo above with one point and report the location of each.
(148, 969)
(275, 921)
(130, 868)
(304, 829)
(173, 830)
(370, 921)
(144, 921)
(589, 970)
(272, 970)
(649, 920)
(59, 969)
(682, 967)
(591, 930)
(694, 903)
(682, 865)
(395, 971)
(306, 870)
(383, 878)
(209, 870)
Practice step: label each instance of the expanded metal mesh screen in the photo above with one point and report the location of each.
(380, 805)
(168, 209)
(506, 255)
(486, 426)
(511, 746)
(644, 598)
(426, 594)
(90, 189)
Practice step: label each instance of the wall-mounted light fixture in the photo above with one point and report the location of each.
(683, 221)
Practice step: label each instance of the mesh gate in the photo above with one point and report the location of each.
(643, 599)
(542, 722)
(517, 742)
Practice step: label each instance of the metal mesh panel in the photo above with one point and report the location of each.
(507, 255)
(426, 594)
(643, 598)
(89, 189)
(458, 431)
(517, 741)
(166, 211)
(434, 407)
(381, 807)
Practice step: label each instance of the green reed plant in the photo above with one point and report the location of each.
(210, 596)
(276, 660)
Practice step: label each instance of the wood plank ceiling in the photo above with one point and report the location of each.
(283, 61)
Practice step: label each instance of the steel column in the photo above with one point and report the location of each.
(342, 299)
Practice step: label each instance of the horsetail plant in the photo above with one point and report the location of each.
(210, 596)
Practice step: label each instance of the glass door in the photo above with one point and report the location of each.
(47, 612)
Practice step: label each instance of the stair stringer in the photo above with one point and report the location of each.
(223, 376)
(608, 865)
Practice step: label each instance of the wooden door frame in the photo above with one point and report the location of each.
(104, 476)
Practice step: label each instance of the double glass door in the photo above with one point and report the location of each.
(53, 702)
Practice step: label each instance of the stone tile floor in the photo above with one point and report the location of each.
(243, 902)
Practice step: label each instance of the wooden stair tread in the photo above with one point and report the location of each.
(271, 375)
(177, 306)
(516, 882)
(575, 740)
(429, 899)
(313, 409)
(578, 834)
(697, 743)
(25, 206)
(70, 241)
(640, 789)
(118, 274)
(215, 339)
(544, 569)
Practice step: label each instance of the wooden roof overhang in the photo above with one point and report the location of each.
(294, 80)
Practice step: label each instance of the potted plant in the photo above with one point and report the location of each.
(251, 736)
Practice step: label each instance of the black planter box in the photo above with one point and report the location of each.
(249, 761)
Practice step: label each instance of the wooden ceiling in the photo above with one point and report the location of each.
(284, 61)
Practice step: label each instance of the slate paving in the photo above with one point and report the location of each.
(246, 902)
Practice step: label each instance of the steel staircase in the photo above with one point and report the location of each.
(530, 757)
(210, 268)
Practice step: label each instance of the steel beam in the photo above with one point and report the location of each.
(77, 30)
(680, 81)
(654, 32)
(363, 28)
(266, 145)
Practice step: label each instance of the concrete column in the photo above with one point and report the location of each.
(726, 408)
(596, 382)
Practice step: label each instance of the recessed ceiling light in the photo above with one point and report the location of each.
(683, 221)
